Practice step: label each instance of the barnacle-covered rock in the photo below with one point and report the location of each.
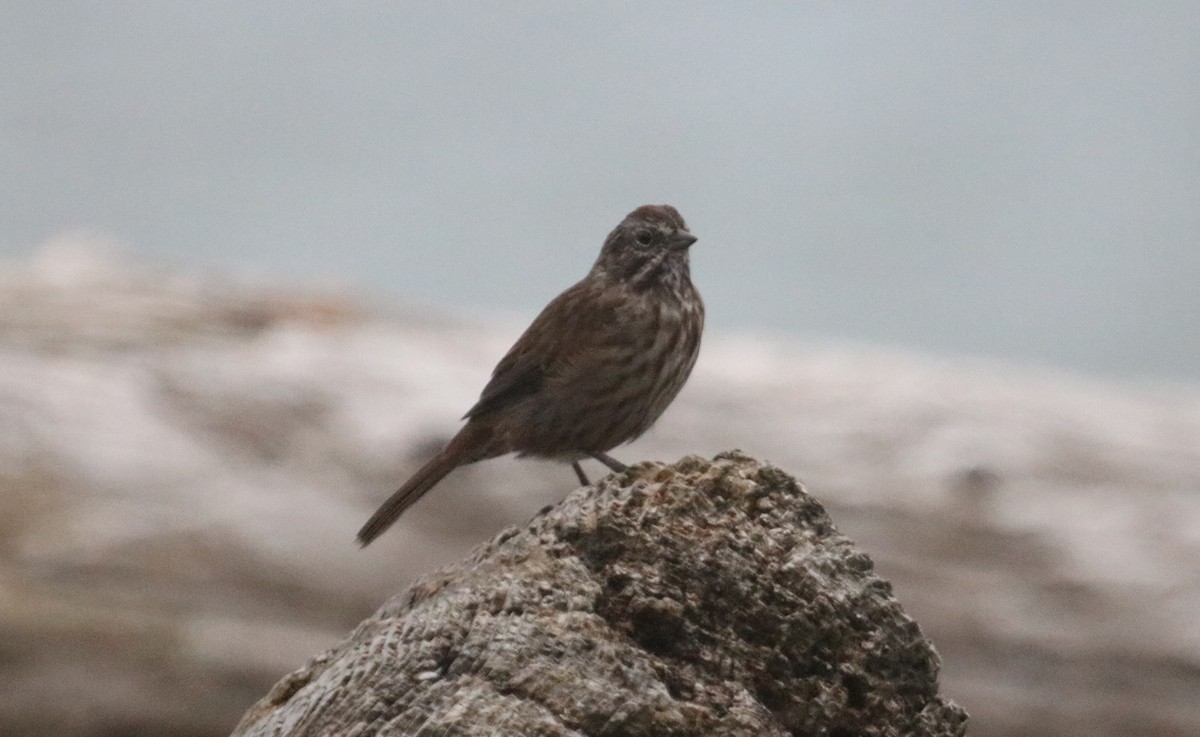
(700, 598)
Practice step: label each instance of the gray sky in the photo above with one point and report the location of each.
(1017, 179)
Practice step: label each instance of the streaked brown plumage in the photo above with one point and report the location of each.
(594, 370)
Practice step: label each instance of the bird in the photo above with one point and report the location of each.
(594, 369)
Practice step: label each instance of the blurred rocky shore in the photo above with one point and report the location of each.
(184, 461)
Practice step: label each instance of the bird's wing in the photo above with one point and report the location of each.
(570, 323)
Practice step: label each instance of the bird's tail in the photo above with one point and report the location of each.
(464, 448)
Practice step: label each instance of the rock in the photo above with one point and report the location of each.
(700, 598)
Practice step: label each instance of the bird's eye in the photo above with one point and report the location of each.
(645, 237)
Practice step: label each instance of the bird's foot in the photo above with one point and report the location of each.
(609, 461)
(583, 479)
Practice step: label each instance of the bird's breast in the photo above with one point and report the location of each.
(619, 379)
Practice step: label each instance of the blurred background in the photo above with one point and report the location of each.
(256, 259)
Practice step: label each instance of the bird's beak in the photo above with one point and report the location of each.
(681, 240)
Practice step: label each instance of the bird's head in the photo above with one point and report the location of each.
(648, 247)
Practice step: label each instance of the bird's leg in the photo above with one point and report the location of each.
(609, 461)
(583, 479)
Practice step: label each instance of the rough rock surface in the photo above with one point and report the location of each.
(701, 598)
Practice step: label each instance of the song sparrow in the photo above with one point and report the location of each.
(594, 370)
